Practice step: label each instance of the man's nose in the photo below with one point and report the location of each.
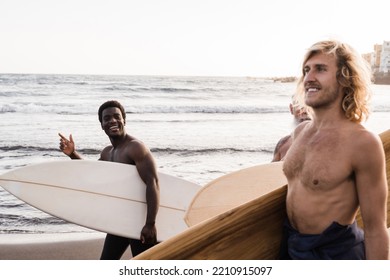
(309, 76)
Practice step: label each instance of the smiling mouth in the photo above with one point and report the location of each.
(113, 128)
(312, 89)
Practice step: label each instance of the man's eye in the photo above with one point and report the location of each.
(321, 69)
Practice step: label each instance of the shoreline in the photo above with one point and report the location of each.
(53, 246)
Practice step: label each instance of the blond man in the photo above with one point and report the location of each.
(334, 165)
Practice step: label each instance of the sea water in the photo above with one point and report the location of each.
(198, 128)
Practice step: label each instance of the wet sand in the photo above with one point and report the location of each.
(61, 246)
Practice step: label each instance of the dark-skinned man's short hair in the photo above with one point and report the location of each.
(108, 104)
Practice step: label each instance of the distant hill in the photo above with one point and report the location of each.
(382, 78)
(284, 79)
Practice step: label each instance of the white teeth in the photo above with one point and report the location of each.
(312, 89)
(113, 127)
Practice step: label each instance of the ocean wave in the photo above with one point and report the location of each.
(7, 109)
(10, 205)
(22, 231)
(34, 108)
(205, 109)
(382, 108)
(134, 88)
(62, 109)
(27, 149)
(86, 151)
(208, 150)
(165, 89)
(15, 220)
(77, 109)
(13, 94)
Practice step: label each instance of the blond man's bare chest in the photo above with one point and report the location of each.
(319, 160)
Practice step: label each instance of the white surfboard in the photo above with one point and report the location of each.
(104, 196)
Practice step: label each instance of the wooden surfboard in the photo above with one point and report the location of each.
(250, 231)
(236, 188)
(101, 195)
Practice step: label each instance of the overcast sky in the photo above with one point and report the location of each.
(180, 37)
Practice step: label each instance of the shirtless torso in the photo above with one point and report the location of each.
(123, 153)
(320, 170)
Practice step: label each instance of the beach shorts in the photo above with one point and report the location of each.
(337, 242)
(115, 246)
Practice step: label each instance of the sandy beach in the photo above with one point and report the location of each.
(61, 246)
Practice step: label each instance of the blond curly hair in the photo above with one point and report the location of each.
(353, 75)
